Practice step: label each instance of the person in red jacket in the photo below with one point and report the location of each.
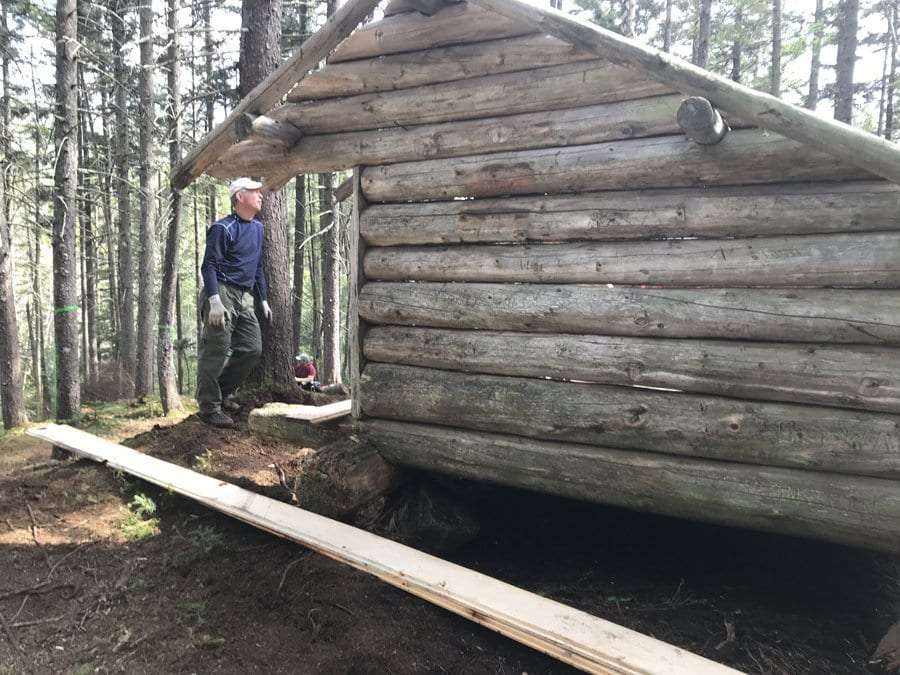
(304, 371)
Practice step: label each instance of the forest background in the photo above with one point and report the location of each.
(99, 258)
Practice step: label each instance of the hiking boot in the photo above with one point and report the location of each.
(231, 405)
(217, 419)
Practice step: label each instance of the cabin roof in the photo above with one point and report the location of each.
(265, 130)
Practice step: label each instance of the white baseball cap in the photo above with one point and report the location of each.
(243, 183)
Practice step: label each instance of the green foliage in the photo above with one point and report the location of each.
(137, 522)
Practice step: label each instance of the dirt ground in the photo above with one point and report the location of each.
(100, 573)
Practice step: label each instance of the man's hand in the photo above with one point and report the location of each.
(216, 312)
(266, 310)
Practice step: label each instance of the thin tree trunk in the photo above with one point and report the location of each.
(883, 89)
(85, 361)
(126, 347)
(701, 40)
(315, 287)
(260, 40)
(628, 22)
(65, 281)
(667, 29)
(775, 72)
(812, 97)
(89, 264)
(168, 382)
(299, 237)
(179, 352)
(147, 292)
(41, 376)
(329, 225)
(109, 226)
(846, 60)
(892, 75)
(736, 46)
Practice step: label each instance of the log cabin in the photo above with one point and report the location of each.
(585, 267)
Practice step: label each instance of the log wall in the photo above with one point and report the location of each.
(553, 288)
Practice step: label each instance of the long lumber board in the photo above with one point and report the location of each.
(575, 637)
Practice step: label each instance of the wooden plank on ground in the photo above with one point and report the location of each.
(575, 637)
(318, 413)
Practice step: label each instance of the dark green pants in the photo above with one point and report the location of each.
(226, 355)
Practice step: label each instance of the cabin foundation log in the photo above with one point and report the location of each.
(274, 421)
(700, 121)
(859, 511)
(749, 432)
(340, 478)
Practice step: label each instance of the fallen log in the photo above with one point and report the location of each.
(870, 260)
(447, 64)
(860, 377)
(278, 421)
(854, 510)
(744, 157)
(570, 85)
(796, 315)
(456, 24)
(650, 214)
(590, 124)
(749, 432)
(340, 478)
(574, 637)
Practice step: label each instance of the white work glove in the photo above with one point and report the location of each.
(267, 311)
(216, 312)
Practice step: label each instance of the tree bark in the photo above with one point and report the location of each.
(299, 247)
(168, 383)
(667, 27)
(775, 68)
(147, 290)
(127, 345)
(329, 225)
(13, 399)
(701, 40)
(109, 227)
(65, 278)
(737, 47)
(892, 72)
(846, 60)
(260, 40)
(812, 97)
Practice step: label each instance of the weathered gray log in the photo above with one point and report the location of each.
(340, 478)
(273, 420)
(866, 260)
(555, 88)
(457, 24)
(447, 64)
(426, 7)
(862, 377)
(773, 434)
(700, 121)
(743, 157)
(656, 214)
(847, 143)
(609, 121)
(859, 511)
(267, 130)
(802, 315)
(271, 90)
(344, 190)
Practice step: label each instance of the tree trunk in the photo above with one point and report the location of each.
(109, 168)
(147, 291)
(331, 283)
(65, 279)
(846, 60)
(299, 238)
(628, 20)
(775, 71)
(210, 102)
(179, 328)
(260, 40)
(315, 286)
(892, 75)
(13, 400)
(88, 244)
(701, 40)
(127, 346)
(737, 46)
(168, 383)
(812, 97)
(667, 27)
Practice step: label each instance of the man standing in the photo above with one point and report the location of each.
(232, 271)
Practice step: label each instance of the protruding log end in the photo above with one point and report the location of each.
(267, 130)
(700, 121)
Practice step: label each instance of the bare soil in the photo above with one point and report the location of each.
(91, 583)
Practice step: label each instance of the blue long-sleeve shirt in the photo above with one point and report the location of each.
(234, 249)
